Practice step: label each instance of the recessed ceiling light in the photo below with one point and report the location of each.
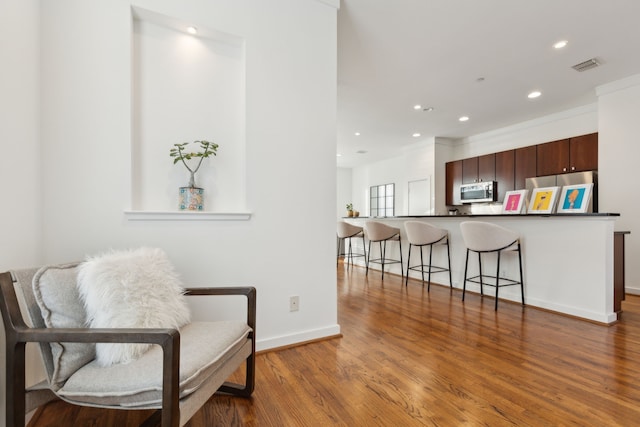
(338, 155)
(417, 107)
(361, 151)
(560, 44)
(357, 134)
(534, 94)
(463, 118)
(192, 30)
(428, 109)
(415, 135)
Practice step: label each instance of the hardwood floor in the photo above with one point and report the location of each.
(412, 358)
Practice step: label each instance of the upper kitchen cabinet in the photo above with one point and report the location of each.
(470, 170)
(553, 158)
(487, 167)
(505, 170)
(584, 152)
(453, 171)
(479, 169)
(525, 165)
(574, 154)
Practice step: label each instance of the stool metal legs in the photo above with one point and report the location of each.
(349, 255)
(480, 277)
(383, 257)
(431, 268)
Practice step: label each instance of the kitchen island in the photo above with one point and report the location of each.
(568, 259)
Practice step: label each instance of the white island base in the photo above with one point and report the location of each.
(567, 260)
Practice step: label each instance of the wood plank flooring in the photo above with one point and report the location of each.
(412, 358)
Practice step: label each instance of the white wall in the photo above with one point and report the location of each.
(67, 128)
(619, 127)
(344, 191)
(416, 162)
(20, 179)
(290, 153)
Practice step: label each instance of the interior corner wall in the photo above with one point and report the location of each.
(619, 127)
(416, 162)
(390, 171)
(290, 143)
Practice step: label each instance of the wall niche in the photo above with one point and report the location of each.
(186, 87)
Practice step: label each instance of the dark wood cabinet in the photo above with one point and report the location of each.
(576, 154)
(553, 158)
(583, 153)
(525, 165)
(470, 170)
(511, 168)
(453, 171)
(487, 167)
(478, 169)
(505, 172)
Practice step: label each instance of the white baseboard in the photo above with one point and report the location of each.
(298, 337)
(631, 291)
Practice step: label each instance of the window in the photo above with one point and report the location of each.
(382, 200)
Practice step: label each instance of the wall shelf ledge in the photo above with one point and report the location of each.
(131, 215)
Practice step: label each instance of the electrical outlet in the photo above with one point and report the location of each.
(294, 303)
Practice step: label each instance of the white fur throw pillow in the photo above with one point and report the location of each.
(136, 288)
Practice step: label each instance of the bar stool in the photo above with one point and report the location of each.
(423, 234)
(347, 231)
(484, 237)
(382, 233)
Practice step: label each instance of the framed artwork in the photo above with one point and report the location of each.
(575, 198)
(514, 202)
(543, 200)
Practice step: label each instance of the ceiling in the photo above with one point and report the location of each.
(475, 58)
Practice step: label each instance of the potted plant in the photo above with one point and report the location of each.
(349, 209)
(191, 197)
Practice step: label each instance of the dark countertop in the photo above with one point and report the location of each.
(554, 215)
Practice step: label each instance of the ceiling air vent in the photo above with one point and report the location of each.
(586, 65)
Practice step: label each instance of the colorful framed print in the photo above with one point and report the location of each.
(575, 198)
(514, 202)
(543, 200)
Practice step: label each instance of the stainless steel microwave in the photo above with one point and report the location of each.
(479, 192)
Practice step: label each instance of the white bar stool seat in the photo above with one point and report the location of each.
(484, 237)
(348, 231)
(423, 234)
(378, 232)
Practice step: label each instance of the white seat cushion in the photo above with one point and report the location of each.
(377, 231)
(422, 233)
(347, 230)
(204, 348)
(485, 236)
